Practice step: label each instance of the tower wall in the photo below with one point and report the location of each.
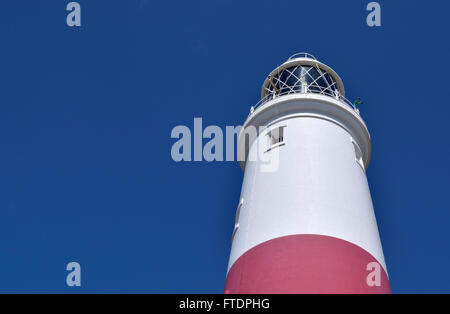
(309, 225)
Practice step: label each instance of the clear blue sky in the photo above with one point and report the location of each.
(86, 173)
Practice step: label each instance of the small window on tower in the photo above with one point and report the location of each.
(275, 137)
(358, 155)
(236, 219)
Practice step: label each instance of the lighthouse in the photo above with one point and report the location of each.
(306, 224)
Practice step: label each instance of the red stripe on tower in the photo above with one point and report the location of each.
(305, 264)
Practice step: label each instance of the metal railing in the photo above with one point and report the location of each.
(273, 90)
(272, 96)
(302, 55)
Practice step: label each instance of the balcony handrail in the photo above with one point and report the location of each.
(272, 96)
(302, 55)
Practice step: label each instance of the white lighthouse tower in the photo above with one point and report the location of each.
(305, 224)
